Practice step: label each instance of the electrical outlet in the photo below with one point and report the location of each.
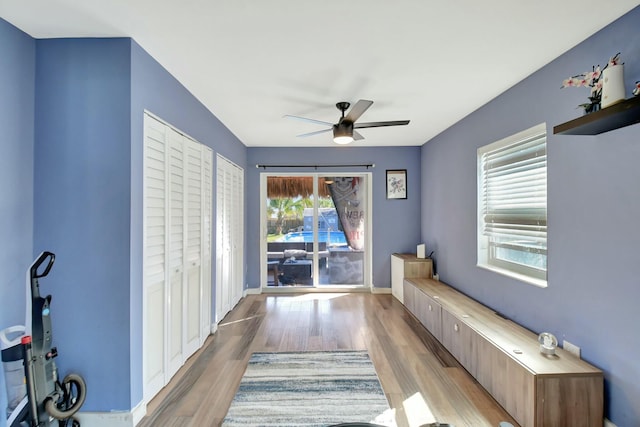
(571, 348)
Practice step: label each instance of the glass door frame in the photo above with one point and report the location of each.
(368, 257)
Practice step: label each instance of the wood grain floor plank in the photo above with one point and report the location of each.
(220, 394)
(421, 380)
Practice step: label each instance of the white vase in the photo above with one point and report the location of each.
(612, 85)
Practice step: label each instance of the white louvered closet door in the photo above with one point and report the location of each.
(177, 251)
(154, 256)
(222, 241)
(229, 237)
(177, 211)
(237, 233)
(193, 289)
(207, 235)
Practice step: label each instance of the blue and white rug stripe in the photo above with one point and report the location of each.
(309, 389)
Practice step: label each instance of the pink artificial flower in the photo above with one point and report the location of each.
(614, 60)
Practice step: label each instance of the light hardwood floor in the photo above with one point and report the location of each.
(422, 381)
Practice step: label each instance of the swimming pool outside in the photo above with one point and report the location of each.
(331, 237)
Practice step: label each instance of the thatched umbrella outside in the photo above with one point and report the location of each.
(343, 192)
(283, 187)
(284, 193)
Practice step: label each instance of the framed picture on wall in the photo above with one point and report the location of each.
(397, 184)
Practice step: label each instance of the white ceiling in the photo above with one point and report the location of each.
(252, 61)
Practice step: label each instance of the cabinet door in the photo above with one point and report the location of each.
(510, 384)
(520, 393)
(569, 401)
(458, 338)
(409, 297)
(420, 305)
(488, 367)
(432, 317)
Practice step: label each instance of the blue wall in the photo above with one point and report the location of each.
(92, 94)
(154, 89)
(17, 103)
(72, 114)
(396, 223)
(593, 209)
(82, 207)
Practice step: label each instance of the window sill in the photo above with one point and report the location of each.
(517, 276)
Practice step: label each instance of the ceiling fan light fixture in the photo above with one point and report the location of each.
(342, 135)
(343, 140)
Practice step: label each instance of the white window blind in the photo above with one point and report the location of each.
(512, 204)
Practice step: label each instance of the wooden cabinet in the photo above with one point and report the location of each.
(409, 292)
(537, 390)
(425, 308)
(557, 397)
(431, 315)
(460, 340)
(407, 266)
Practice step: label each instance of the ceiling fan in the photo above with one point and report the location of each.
(344, 131)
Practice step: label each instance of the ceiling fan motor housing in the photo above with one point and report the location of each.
(343, 129)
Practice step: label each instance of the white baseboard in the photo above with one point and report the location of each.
(376, 290)
(608, 423)
(139, 412)
(252, 291)
(106, 419)
(113, 419)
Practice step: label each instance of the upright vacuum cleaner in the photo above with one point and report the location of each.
(48, 401)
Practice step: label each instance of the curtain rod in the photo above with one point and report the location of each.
(370, 165)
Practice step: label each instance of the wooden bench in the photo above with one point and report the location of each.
(537, 390)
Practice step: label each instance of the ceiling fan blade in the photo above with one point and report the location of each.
(380, 124)
(358, 109)
(304, 119)
(357, 136)
(304, 135)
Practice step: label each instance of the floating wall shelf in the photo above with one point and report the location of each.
(623, 114)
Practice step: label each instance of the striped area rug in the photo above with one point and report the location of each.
(309, 389)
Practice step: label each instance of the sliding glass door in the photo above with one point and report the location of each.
(315, 230)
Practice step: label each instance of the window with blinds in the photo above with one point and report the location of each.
(512, 206)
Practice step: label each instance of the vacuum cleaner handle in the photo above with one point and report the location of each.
(38, 262)
(34, 275)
